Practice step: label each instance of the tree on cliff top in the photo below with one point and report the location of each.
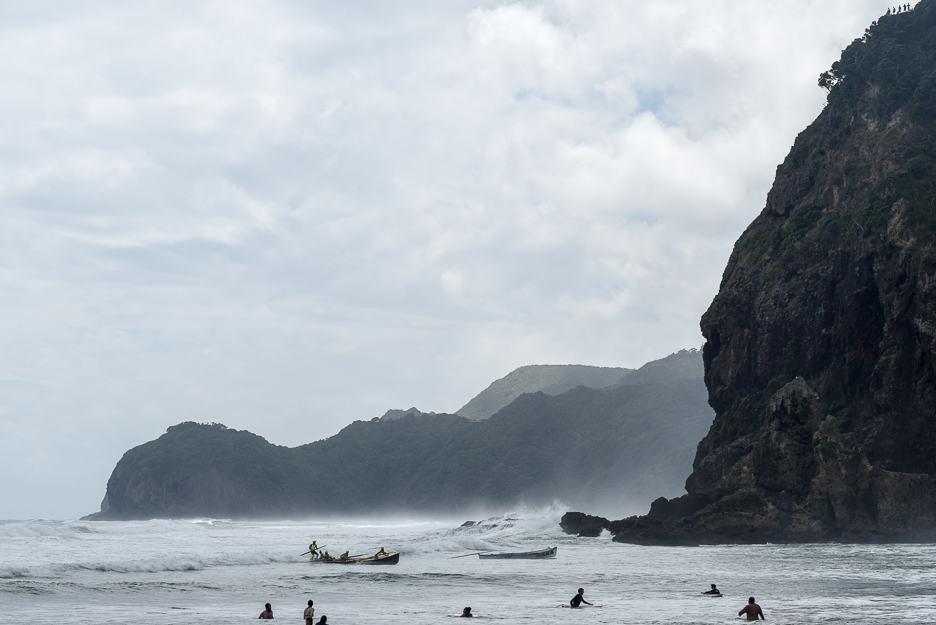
(897, 55)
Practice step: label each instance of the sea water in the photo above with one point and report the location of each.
(221, 571)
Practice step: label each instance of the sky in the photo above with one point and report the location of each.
(287, 216)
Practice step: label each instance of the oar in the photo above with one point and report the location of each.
(468, 554)
(322, 547)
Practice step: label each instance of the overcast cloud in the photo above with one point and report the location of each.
(287, 216)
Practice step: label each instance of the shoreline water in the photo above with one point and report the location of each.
(209, 570)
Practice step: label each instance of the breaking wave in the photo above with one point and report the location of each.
(496, 532)
(45, 529)
(168, 563)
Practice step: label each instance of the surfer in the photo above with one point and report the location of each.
(713, 591)
(309, 614)
(267, 612)
(752, 610)
(578, 599)
(467, 611)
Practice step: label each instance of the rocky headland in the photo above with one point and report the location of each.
(820, 353)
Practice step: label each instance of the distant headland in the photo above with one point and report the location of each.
(575, 434)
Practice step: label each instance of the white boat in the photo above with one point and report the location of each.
(549, 552)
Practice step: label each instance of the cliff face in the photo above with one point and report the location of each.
(819, 358)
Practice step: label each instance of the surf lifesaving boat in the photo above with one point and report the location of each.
(540, 554)
(388, 558)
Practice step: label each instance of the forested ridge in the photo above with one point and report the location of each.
(619, 445)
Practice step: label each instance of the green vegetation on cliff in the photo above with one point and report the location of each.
(896, 56)
(896, 60)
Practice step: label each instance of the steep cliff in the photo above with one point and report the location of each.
(820, 343)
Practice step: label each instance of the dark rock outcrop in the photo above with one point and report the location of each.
(582, 524)
(820, 349)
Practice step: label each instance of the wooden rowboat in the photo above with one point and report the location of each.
(390, 558)
(549, 552)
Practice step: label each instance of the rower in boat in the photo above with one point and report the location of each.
(380, 553)
(344, 557)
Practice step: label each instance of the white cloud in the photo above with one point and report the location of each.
(288, 217)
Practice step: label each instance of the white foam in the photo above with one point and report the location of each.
(495, 532)
(42, 528)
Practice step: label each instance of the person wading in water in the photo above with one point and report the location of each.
(752, 610)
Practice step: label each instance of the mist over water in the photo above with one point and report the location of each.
(210, 570)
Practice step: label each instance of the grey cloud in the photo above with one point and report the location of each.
(288, 217)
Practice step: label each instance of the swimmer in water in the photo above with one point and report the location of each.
(578, 599)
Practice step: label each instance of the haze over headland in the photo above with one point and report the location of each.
(290, 217)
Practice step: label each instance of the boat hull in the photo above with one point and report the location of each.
(390, 558)
(541, 554)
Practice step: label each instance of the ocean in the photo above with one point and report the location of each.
(223, 571)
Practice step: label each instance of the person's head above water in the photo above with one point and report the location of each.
(466, 610)
(310, 603)
(581, 590)
(750, 599)
(268, 606)
(322, 620)
(713, 586)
